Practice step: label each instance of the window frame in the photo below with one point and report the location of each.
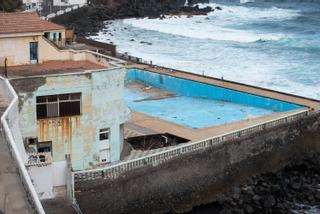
(104, 131)
(58, 101)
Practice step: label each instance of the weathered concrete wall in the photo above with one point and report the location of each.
(17, 50)
(102, 106)
(195, 178)
(42, 179)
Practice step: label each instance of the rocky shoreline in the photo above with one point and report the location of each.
(294, 189)
(89, 20)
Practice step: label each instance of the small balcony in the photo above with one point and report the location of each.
(56, 38)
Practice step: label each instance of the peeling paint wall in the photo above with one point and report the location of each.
(102, 106)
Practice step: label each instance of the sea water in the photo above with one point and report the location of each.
(267, 43)
(272, 44)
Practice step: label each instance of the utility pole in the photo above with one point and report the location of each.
(5, 67)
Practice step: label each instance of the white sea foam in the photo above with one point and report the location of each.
(207, 53)
(216, 27)
(242, 13)
(196, 29)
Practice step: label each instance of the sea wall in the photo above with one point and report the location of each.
(195, 178)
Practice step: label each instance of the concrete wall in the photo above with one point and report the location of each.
(102, 106)
(13, 119)
(59, 169)
(17, 50)
(195, 178)
(42, 179)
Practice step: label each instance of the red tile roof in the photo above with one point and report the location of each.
(21, 22)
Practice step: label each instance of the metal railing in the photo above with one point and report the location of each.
(14, 152)
(114, 170)
(60, 43)
(106, 60)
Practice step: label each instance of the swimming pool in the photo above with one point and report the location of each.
(198, 105)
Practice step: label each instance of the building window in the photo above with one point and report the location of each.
(45, 146)
(61, 105)
(104, 134)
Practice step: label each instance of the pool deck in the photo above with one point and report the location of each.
(142, 121)
(313, 104)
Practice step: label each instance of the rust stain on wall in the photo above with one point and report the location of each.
(41, 130)
(48, 129)
(55, 129)
(77, 122)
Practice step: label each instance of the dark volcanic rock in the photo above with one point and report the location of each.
(91, 19)
(296, 187)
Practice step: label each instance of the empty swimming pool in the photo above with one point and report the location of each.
(194, 104)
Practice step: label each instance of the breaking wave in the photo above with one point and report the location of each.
(215, 25)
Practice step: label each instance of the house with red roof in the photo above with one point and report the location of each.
(27, 39)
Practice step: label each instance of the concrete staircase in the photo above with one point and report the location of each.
(12, 194)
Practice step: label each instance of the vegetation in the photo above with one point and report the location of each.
(10, 5)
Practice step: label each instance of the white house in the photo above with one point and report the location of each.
(69, 2)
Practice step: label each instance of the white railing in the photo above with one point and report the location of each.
(9, 139)
(60, 12)
(114, 170)
(106, 60)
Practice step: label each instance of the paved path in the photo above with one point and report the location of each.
(12, 195)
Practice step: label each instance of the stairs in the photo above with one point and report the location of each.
(13, 198)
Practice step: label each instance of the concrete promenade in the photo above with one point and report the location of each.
(12, 194)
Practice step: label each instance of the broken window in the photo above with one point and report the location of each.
(104, 134)
(45, 146)
(61, 105)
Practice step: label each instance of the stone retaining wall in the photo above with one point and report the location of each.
(195, 178)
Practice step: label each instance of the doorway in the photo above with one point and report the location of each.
(33, 52)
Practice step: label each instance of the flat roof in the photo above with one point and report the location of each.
(51, 67)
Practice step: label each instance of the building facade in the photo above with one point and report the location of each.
(69, 2)
(33, 5)
(71, 102)
(24, 39)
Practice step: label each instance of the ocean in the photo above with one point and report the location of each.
(268, 43)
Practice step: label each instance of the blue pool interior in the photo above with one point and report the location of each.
(198, 105)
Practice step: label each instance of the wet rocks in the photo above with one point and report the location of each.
(147, 43)
(296, 187)
(91, 19)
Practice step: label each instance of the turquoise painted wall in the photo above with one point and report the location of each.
(102, 106)
(191, 88)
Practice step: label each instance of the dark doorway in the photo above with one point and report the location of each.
(155, 141)
(33, 52)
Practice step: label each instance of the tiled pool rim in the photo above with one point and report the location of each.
(191, 88)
